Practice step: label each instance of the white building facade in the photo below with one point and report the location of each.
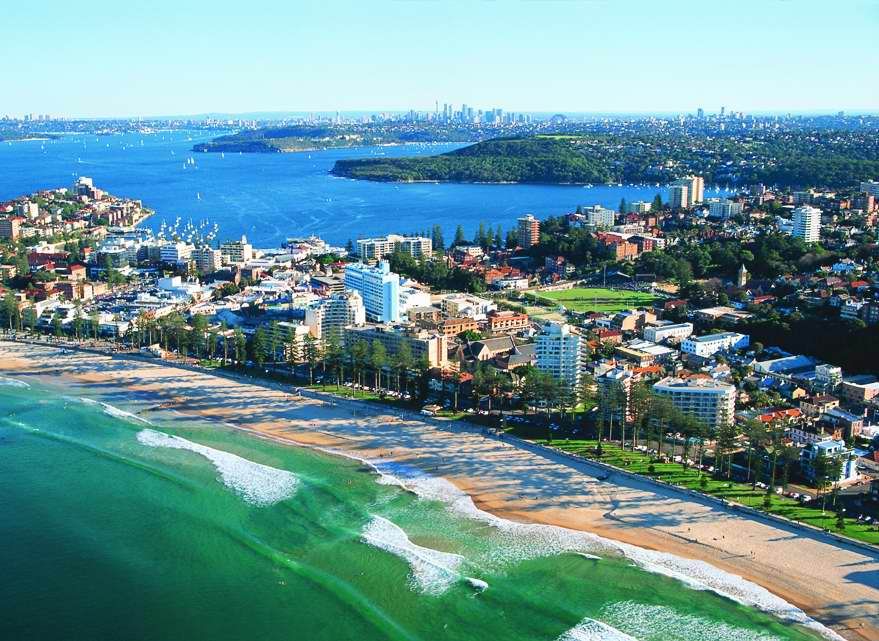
(379, 287)
(561, 353)
(807, 223)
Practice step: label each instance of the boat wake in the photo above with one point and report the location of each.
(256, 483)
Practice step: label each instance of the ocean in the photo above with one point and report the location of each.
(270, 197)
(119, 526)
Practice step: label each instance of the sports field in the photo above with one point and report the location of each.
(598, 299)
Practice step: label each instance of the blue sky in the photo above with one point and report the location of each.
(93, 58)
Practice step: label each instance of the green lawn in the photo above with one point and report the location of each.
(739, 492)
(597, 299)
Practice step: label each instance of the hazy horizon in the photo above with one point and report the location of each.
(102, 59)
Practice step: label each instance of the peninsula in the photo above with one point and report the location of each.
(791, 158)
(292, 138)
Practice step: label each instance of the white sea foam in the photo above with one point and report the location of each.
(661, 622)
(254, 482)
(12, 382)
(479, 584)
(522, 540)
(431, 571)
(592, 630)
(112, 410)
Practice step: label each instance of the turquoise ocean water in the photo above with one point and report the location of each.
(113, 526)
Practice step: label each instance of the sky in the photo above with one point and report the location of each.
(135, 58)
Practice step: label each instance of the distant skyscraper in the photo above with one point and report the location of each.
(807, 223)
(529, 231)
(700, 114)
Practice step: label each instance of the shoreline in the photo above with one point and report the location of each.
(525, 487)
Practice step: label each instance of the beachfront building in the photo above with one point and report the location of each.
(175, 253)
(377, 248)
(614, 394)
(815, 457)
(329, 316)
(712, 402)
(237, 252)
(711, 344)
(423, 344)
(289, 339)
(807, 223)
(207, 260)
(659, 333)
(379, 287)
(528, 231)
(562, 353)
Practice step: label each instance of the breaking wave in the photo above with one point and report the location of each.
(523, 540)
(12, 382)
(646, 621)
(431, 571)
(592, 630)
(256, 483)
(115, 412)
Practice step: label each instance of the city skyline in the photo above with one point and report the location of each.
(602, 58)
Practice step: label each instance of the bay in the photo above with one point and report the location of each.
(270, 197)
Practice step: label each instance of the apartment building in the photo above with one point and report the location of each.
(659, 333)
(422, 343)
(377, 248)
(561, 353)
(528, 231)
(379, 288)
(711, 344)
(807, 223)
(237, 252)
(712, 402)
(507, 321)
(329, 316)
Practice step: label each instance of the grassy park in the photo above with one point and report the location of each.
(597, 299)
(674, 473)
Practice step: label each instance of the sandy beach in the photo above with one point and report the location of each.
(838, 585)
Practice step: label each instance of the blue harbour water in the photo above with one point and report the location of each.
(269, 197)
